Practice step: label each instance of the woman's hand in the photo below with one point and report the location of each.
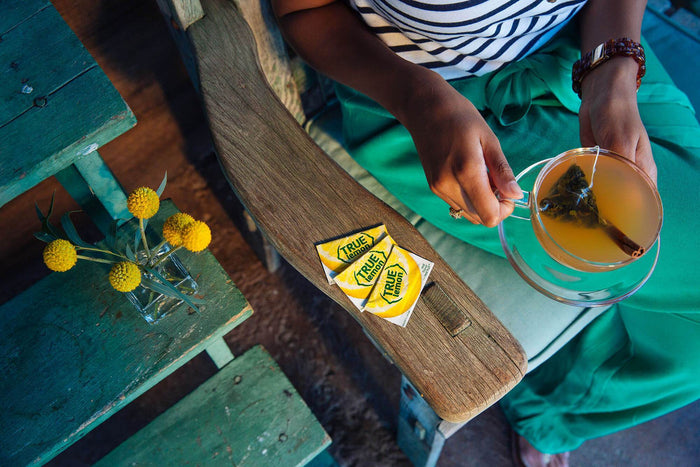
(609, 116)
(461, 156)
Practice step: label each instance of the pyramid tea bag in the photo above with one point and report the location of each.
(571, 199)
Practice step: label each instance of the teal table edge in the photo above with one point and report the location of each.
(73, 351)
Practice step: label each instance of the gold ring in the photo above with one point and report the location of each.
(456, 213)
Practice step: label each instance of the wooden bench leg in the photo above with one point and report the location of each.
(91, 183)
(220, 352)
(421, 432)
(325, 459)
(269, 256)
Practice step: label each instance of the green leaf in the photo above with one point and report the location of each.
(45, 222)
(111, 236)
(69, 228)
(44, 237)
(39, 214)
(137, 239)
(166, 288)
(161, 188)
(188, 299)
(53, 199)
(130, 253)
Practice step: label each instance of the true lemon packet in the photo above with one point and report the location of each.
(338, 254)
(358, 279)
(396, 292)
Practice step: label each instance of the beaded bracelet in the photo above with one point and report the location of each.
(614, 47)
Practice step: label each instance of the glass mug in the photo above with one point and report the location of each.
(592, 210)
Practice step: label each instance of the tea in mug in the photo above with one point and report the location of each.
(603, 224)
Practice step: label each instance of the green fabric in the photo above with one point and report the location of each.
(639, 360)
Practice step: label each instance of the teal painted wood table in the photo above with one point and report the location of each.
(57, 107)
(73, 351)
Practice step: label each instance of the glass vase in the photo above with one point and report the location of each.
(152, 305)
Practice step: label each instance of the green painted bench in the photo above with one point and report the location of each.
(73, 351)
(248, 413)
(57, 108)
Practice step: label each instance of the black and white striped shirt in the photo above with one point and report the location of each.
(459, 38)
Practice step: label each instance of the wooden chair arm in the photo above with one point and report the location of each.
(298, 196)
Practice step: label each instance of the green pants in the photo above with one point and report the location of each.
(640, 359)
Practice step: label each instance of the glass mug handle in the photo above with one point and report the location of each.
(522, 204)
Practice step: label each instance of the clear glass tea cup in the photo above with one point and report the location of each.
(592, 210)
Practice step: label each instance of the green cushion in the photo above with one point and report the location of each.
(678, 50)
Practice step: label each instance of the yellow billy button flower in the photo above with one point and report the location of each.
(143, 203)
(60, 255)
(196, 236)
(125, 276)
(174, 226)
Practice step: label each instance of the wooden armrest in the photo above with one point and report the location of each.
(298, 196)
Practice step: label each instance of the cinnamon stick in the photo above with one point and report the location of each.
(571, 199)
(625, 243)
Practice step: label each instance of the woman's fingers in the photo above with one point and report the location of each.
(447, 187)
(467, 183)
(473, 193)
(463, 161)
(500, 173)
(474, 182)
(479, 178)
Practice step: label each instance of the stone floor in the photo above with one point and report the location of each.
(351, 389)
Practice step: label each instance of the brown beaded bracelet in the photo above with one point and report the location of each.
(614, 47)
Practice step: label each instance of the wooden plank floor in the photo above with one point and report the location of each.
(345, 382)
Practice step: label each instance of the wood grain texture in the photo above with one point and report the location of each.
(76, 351)
(184, 12)
(57, 104)
(35, 67)
(298, 196)
(17, 11)
(248, 413)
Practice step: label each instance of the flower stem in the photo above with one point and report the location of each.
(143, 239)
(96, 260)
(162, 258)
(108, 252)
(157, 248)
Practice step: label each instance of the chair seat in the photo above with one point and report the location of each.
(540, 324)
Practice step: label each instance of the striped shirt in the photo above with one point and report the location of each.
(459, 38)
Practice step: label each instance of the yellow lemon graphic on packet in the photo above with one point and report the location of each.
(338, 254)
(399, 285)
(357, 279)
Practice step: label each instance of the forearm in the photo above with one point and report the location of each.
(609, 115)
(333, 40)
(461, 156)
(602, 20)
